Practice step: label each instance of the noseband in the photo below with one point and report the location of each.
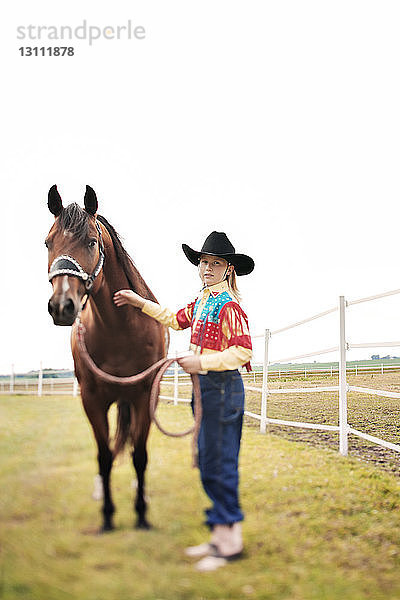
(67, 265)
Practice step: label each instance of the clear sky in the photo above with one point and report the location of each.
(277, 122)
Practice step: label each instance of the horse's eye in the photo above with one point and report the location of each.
(92, 243)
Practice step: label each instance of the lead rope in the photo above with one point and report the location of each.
(160, 366)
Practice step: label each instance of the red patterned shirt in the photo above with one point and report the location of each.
(219, 327)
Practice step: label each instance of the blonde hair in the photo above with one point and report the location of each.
(231, 279)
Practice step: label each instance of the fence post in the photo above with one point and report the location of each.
(382, 368)
(263, 422)
(176, 395)
(343, 427)
(75, 387)
(12, 379)
(40, 380)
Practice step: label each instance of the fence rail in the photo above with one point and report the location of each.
(34, 385)
(69, 385)
(343, 388)
(262, 373)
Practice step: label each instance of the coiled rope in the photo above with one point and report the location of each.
(160, 366)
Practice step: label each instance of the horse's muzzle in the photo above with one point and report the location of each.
(63, 311)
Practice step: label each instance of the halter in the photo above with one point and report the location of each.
(67, 265)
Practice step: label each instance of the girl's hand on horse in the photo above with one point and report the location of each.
(190, 364)
(128, 297)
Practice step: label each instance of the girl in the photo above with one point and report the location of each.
(221, 344)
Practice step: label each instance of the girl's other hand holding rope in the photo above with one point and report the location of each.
(190, 364)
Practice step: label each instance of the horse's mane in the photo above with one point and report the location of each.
(135, 279)
(73, 218)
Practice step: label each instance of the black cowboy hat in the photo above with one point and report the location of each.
(217, 244)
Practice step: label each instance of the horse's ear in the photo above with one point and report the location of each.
(54, 201)
(91, 203)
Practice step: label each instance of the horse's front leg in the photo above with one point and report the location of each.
(105, 460)
(99, 422)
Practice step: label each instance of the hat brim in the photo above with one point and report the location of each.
(243, 264)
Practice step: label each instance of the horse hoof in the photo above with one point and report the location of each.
(143, 524)
(106, 529)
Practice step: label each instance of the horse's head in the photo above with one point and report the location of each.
(76, 255)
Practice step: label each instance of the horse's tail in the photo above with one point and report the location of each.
(123, 426)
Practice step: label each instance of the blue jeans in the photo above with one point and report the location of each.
(222, 397)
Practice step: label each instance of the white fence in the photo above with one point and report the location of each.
(331, 371)
(58, 385)
(40, 383)
(344, 428)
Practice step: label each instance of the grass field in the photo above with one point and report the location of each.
(318, 526)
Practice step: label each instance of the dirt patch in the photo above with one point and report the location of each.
(368, 413)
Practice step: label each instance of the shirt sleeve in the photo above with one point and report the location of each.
(228, 360)
(180, 320)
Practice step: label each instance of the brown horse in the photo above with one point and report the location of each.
(87, 261)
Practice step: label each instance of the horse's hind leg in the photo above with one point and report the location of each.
(99, 423)
(139, 458)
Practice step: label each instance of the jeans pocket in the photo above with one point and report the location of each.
(234, 407)
(234, 416)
